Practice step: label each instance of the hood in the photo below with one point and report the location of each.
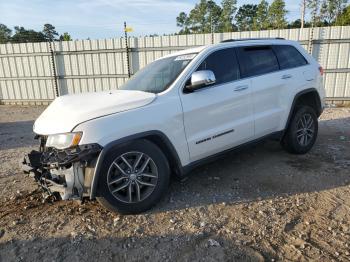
(65, 112)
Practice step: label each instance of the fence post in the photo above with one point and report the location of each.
(53, 63)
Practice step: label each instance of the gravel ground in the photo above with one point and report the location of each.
(261, 204)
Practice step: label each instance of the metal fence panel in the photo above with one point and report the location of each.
(26, 73)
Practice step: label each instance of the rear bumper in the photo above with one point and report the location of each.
(67, 172)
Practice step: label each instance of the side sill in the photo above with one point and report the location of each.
(273, 136)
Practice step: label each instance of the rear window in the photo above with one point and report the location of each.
(289, 57)
(257, 60)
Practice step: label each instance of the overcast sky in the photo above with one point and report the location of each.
(104, 18)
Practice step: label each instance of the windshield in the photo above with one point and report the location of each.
(159, 75)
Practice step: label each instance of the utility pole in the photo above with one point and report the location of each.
(313, 24)
(127, 48)
(303, 9)
(52, 56)
(211, 29)
(211, 26)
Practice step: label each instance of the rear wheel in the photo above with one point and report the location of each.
(302, 131)
(133, 178)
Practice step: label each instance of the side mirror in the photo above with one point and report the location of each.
(201, 79)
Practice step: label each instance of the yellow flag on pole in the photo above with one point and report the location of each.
(128, 29)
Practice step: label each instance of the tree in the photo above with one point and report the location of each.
(331, 9)
(314, 7)
(343, 18)
(245, 17)
(226, 18)
(208, 17)
(183, 21)
(277, 14)
(50, 32)
(203, 18)
(23, 35)
(65, 37)
(261, 21)
(5, 34)
(295, 24)
(198, 18)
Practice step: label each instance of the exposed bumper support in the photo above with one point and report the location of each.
(63, 171)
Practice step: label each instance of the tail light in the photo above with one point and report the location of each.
(321, 70)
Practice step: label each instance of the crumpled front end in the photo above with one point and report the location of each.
(67, 172)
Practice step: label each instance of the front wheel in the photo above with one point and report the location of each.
(133, 178)
(302, 131)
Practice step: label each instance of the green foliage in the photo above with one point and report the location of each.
(23, 35)
(229, 7)
(343, 18)
(261, 21)
(331, 9)
(245, 17)
(295, 24)
(65, 37)
(325, 12)
(5, 34)
(198, 18)
(204, 16)
(207, 16)
(277, 14)
(183, 22)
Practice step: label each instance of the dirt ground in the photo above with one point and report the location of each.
(261, 204)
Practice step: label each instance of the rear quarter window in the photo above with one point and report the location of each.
(289, 57)
(257, 60)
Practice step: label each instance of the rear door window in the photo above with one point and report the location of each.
(224, 65)
(289, 57)
(257, 60)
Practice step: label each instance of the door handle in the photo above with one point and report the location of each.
(241, 88)
(286, 76)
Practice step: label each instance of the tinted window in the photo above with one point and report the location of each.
(289, 56)
(257, 60)
(224, 65)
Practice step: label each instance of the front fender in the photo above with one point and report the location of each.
(165, 145)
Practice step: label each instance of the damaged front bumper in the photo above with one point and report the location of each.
(68, 172)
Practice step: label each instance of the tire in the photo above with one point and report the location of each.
(114, 175)
(302, 131)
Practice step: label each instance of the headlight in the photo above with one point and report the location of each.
(63, 141)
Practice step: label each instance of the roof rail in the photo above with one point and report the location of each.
(247, 39)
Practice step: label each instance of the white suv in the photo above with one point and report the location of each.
(122, 146)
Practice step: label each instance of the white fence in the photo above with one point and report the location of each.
(26, 71)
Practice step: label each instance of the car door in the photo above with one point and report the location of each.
(297, 74)
(220, 116)
(260, 64)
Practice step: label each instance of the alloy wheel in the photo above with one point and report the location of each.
(305, 130)
(132, 177)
